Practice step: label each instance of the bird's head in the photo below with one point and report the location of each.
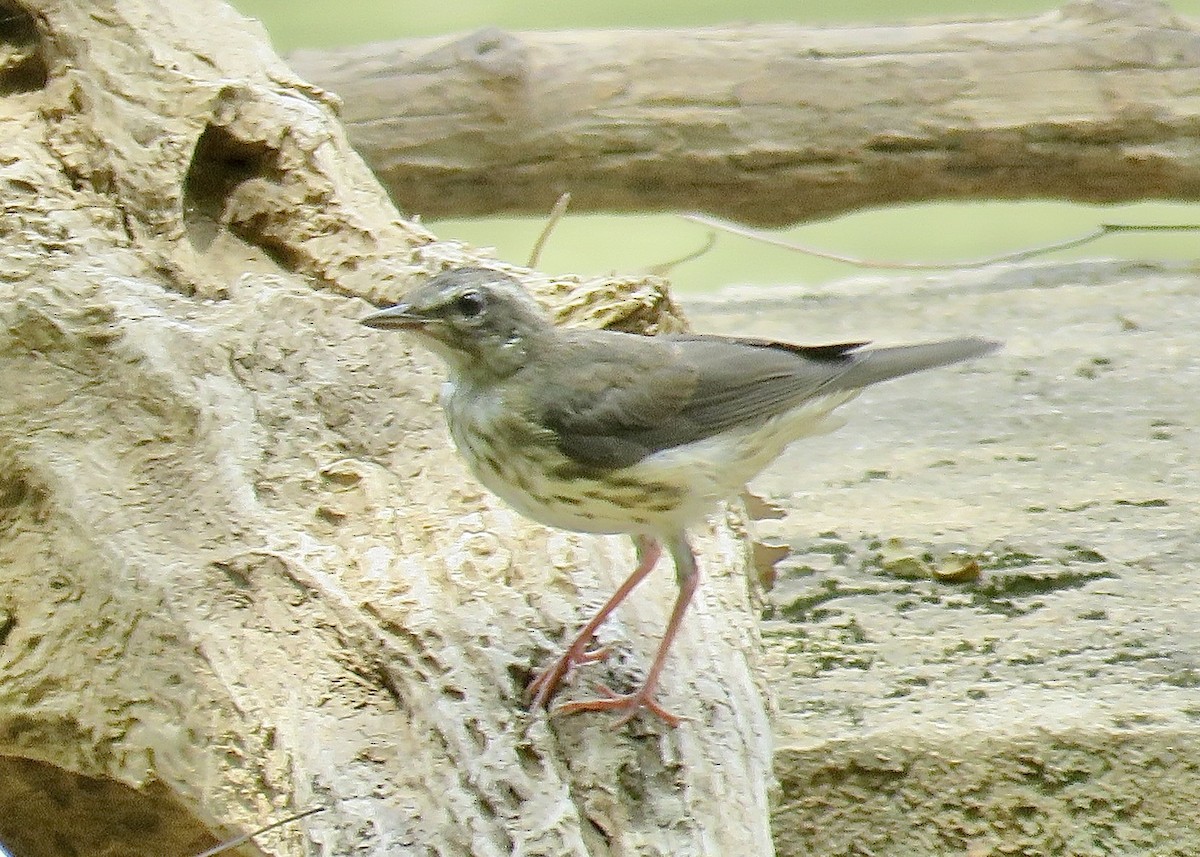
(481, 322)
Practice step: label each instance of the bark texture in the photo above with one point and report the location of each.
(243, 573)
(771, 125)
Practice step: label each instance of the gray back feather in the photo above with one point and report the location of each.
(634, 395)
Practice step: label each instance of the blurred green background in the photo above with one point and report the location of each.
(593, 244)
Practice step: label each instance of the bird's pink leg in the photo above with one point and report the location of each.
(688, 577)
(542, 688)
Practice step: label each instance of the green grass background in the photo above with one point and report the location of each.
(931, 232)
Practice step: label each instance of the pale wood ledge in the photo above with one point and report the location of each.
(1097, 102)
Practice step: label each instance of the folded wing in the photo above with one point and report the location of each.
(635, 395)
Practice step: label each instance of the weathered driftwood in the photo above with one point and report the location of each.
(778, 124)
(242, 572)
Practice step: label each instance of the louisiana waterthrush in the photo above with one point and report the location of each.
(598, 431)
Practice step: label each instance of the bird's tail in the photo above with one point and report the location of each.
(873, 365)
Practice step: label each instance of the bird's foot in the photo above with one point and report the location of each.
(542, 688)
(627, 703)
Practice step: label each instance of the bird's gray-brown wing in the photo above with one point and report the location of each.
(616, 398)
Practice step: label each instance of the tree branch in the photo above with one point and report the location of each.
(772, 125)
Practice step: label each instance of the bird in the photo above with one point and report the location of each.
(601, 431)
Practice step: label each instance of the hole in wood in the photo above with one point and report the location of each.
(50, 812)
(22, 64)
(232, 184)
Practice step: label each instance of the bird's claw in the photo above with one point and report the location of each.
(600, 653)
(542, 688)
(628, 703)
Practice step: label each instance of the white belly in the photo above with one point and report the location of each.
(661, 494)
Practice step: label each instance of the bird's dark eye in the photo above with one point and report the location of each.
(469, 304)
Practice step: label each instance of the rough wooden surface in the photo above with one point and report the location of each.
(772, 125)
(983, 638)
(243, 572)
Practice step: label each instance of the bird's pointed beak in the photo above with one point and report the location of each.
(398, 317)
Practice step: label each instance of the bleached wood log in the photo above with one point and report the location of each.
(242, 571)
